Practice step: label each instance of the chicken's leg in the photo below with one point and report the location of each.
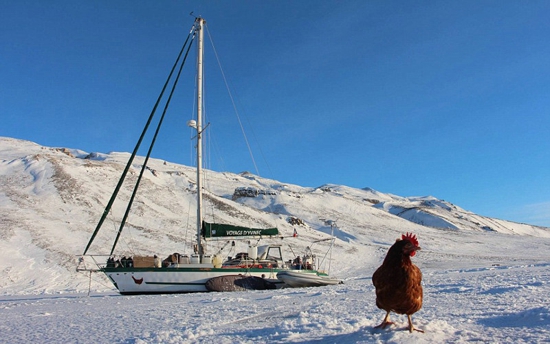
(411, 327)
(385, 322)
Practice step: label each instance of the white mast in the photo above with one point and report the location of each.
(200, 23)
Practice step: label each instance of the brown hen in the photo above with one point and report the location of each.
(398, 281)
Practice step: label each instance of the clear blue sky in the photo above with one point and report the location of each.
(442, 98)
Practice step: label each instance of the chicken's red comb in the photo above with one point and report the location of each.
(411, 237)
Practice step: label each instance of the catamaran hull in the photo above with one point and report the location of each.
(302, 279)
(177, 280)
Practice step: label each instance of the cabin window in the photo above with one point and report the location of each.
(275, 253)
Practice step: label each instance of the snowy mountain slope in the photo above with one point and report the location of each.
(51, 200)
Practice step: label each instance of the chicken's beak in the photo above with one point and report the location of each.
(413, 250)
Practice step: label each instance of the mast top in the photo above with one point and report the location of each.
(198, 18)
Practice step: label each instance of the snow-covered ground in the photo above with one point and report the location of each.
(501, 304)
(485, 280)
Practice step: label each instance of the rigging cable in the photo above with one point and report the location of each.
(233, 102)
(270, 205)
(144, 166)
(136, 148)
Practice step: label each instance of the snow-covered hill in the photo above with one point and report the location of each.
(485, 280)
(52, 199)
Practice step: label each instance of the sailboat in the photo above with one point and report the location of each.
(257, 268)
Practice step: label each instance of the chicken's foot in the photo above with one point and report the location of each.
(385, 322)
(411, 326)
